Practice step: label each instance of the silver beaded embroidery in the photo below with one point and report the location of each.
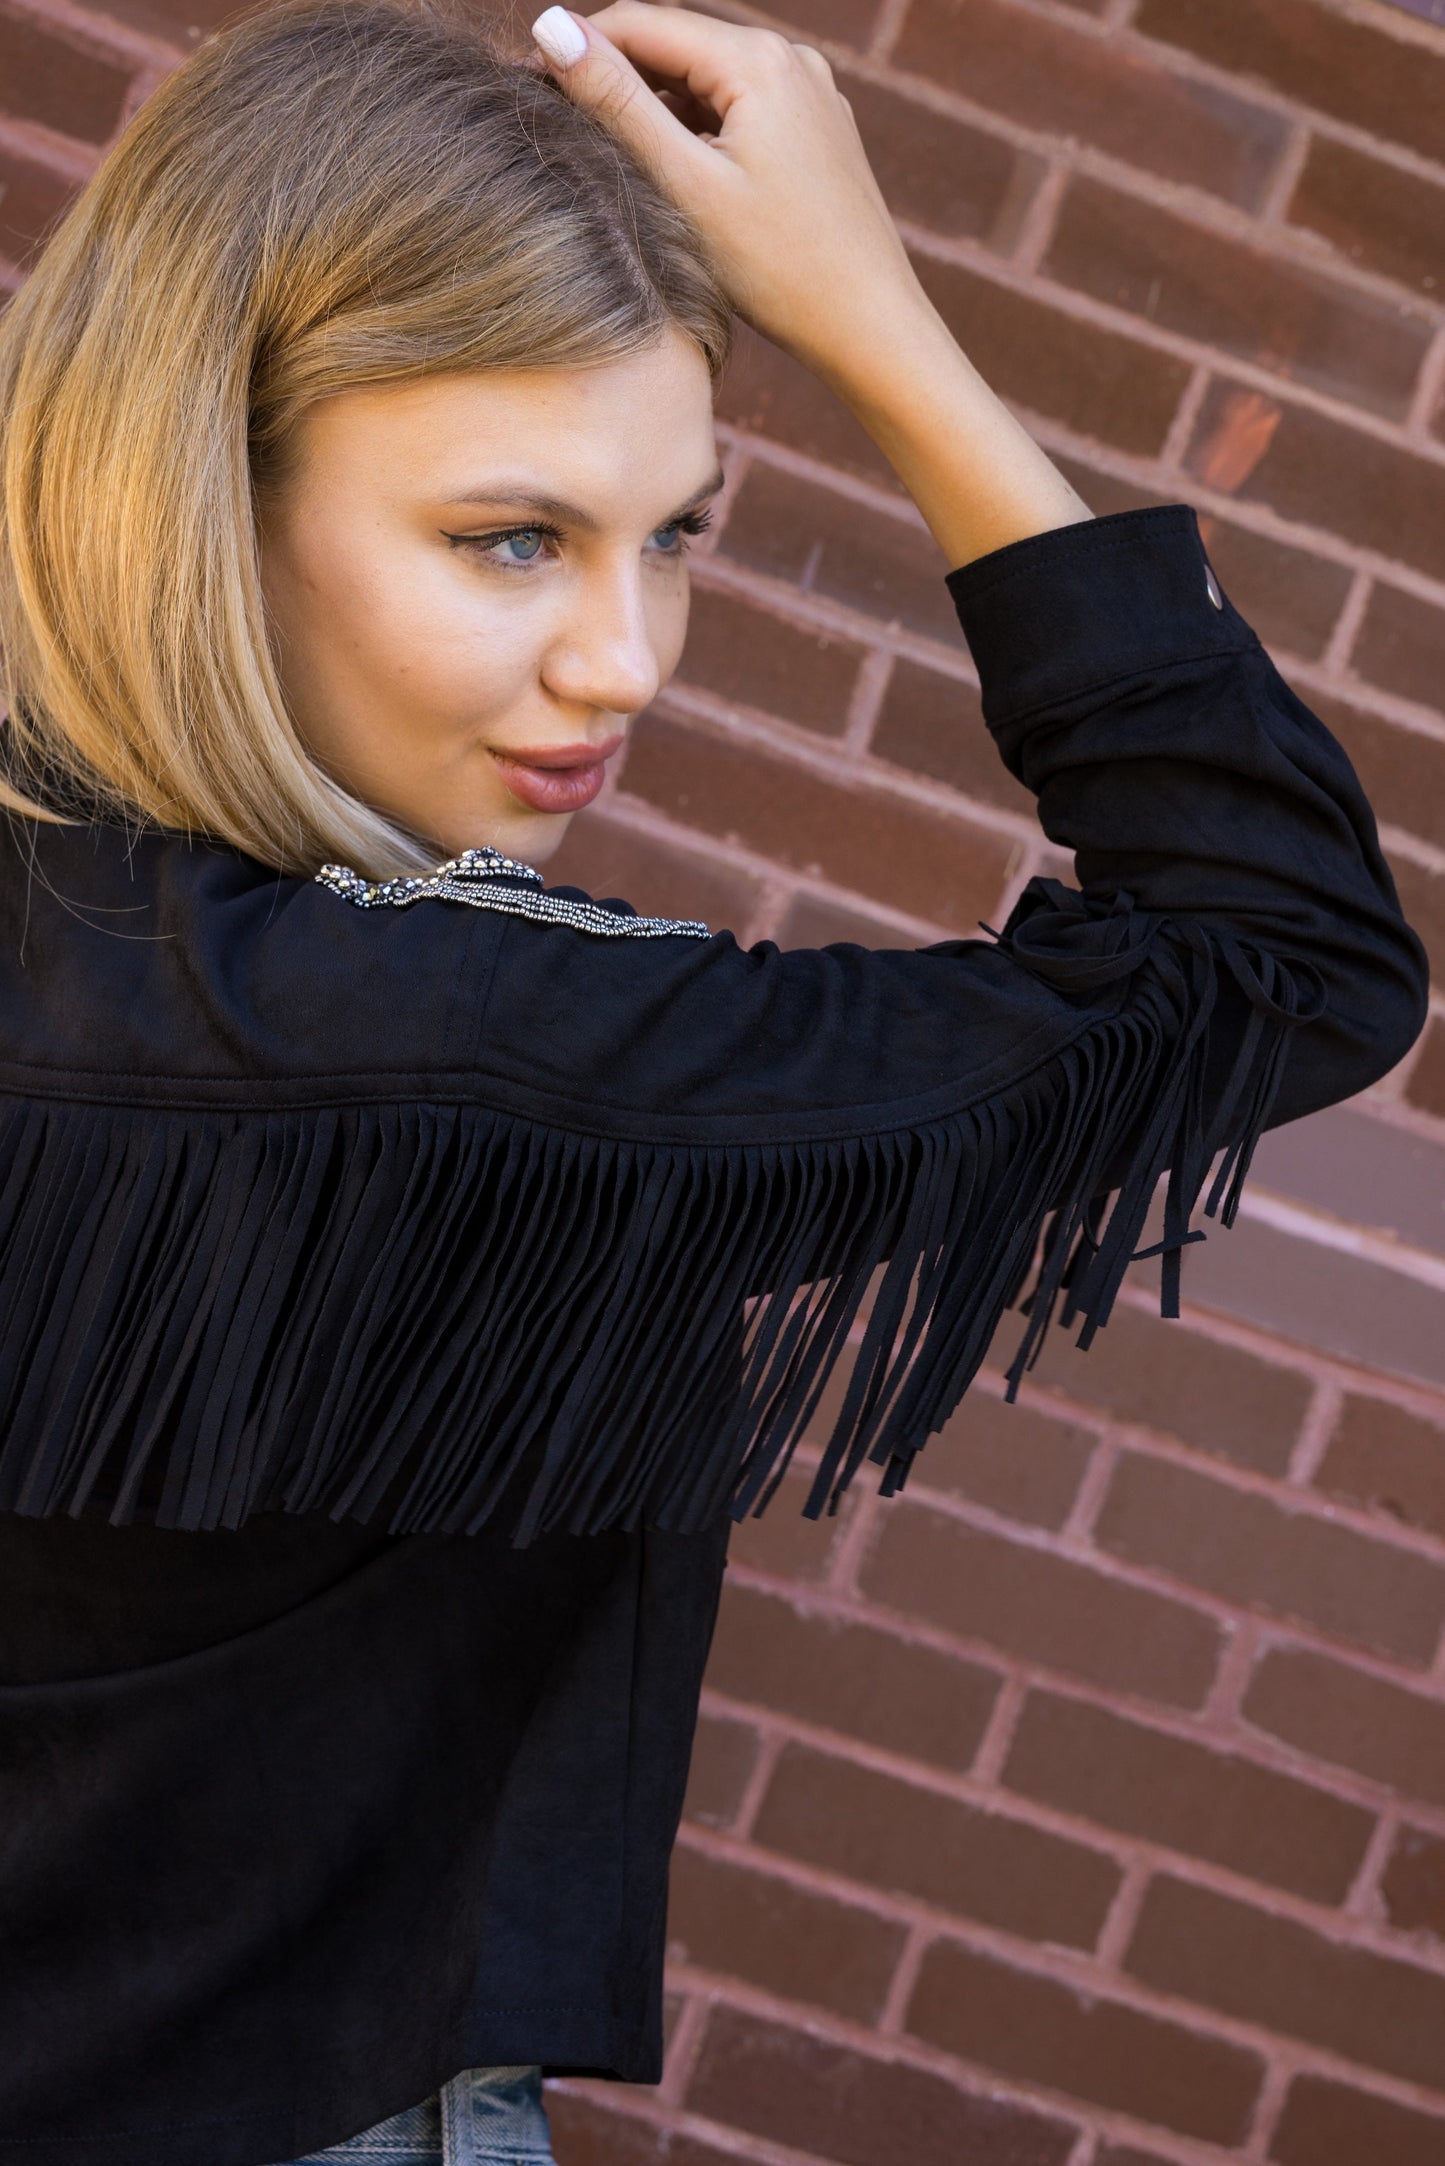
(463, 879)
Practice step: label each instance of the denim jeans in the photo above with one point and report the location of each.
(483, 2117)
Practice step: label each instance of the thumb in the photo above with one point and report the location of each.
(603, 81)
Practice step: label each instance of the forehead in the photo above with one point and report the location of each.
(600, 434)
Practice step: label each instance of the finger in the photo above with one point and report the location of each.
(603, 81)
(711, 57)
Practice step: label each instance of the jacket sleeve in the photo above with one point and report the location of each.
(544, 1212)
(907, 1132)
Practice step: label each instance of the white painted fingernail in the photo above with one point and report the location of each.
(559, 37)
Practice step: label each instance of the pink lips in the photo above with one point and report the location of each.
(556, 778)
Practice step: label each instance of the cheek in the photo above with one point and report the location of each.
(443, 645)
(667, 627)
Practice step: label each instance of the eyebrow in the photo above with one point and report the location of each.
(553, 507)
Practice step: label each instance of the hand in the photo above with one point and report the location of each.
(751, 137)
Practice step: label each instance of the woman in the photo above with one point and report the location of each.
(409, 1270)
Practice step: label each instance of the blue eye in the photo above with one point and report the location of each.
(530, 536)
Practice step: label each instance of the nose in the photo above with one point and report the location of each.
(603, 653)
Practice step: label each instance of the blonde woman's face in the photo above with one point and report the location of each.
(476, 581)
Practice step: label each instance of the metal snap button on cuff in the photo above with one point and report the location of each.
(1211, 588)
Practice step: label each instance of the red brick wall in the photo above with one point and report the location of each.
(1086, 1806)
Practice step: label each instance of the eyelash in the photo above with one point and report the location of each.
(691, 523)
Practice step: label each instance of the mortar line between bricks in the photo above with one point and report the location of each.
(1309, 1363)
(813, 611)
(1178, 61)
(1315, 1431)
(1365, 1887)
(769, 1752)
(986, 1767)
(1222, 1710)
(1122, 1915)
(640, 818)
(772, 900)
(736, 2143)
(1036, 229)
(1273, 204)
(1335, 660)
(1246, 1744)
(1429, 390)
(1297, 1504)
(1075, 305)
(1175, 61)
(1145, 472)
(1309, 1223)
(889, 2022)
(912, 2051)
(870, 690)
(683, 2050)
(1078, 1528)
(1085, 2150)
(1185, 415)
(789, 744)
(65, 156)
(885, 30)
(1278, 2076)
(1051, 1963)
(99, 32)
(1246, 1749)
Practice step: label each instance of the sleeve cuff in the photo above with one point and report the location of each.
(1051, 616)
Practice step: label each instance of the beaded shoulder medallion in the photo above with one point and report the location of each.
(467, 878)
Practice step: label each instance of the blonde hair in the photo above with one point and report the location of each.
(328, 193)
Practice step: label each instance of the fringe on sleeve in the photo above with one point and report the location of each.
(453, 1311)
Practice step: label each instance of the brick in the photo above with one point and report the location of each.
(814, 921)
(850, 1677)
(585, 2133)
(1043, 1608)
(933, 725)
(1100, 382)
(1290, 1563)
(1114, 2154)
(1225, 1954)
(769, 394)
(608, 859)
(791, 2088)
(1155, 1371)
(1390, 1459)
(782, 1540)
(842, 22)
(1330, 2124)
(749, 655)
(1244, 301)
(1310, 467)
(1402, 770)
(826, 543)
(1093, 2048)
(723, 1757)
(1365, 1171)
(1050, 77)
(1347, 68)
(32, 199)
(1014, 1459)
(938, 173)
(1401, 645)
(1412, 1885)
(975, 1864)
(723, 1916)
(941, 869)
(1168, 1790)
(1386, 220)
(1426, 1087)
(1422, 898)
(58, 82)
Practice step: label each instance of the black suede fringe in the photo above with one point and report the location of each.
(438, 1313)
